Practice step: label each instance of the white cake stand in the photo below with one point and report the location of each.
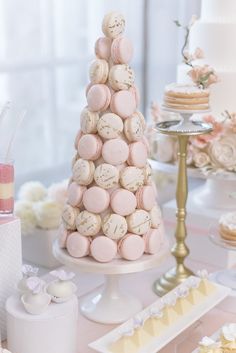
(218, 191)
(225, 277)
(109, 305)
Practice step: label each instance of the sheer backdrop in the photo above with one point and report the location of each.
(45, 50)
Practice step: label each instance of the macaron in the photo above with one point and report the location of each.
(98, 71)
(62, 236)
(123, 103)
(147, 174)
(145, 198)
(90, 147)
(78, 245)
(131, 178)
(153, 241)
(135, 91)
(137, 154)
(106, 176)
(110, 126)
(103, 48)
(77, 138)
(74, 160)
(131, 247)
(88, 122)
(103, 249)
(139, 222)
(75, 194)
(87, 223)
(83, 171)
(121, 77)
(69, 215)
(123, 202)
(114, 226)
(115, 151)
(133, 128)
(156, 216)
(113, 25)
(121, 50)
(96, 199)
(98, 97)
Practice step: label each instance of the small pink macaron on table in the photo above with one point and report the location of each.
(109, 305)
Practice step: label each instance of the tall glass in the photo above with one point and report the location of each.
(6, 186)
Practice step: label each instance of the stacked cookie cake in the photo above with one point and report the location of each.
(111, 209)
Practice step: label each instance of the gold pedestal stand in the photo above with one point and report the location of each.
(183, 129)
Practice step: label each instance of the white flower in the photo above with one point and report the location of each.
(48, 214)
(201, 159)
(24, 210)
(58, 192)
(62, 275)
(229, 332)
(32, 191)
(223, 152)
(34, 284)
(207, 341)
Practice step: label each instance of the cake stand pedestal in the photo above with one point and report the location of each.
(109, 305)
(225, 277)
(183, 129)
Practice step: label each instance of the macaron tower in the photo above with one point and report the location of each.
(111, 209)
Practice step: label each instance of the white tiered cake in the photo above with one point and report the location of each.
(215, 34)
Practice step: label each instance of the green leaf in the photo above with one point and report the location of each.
(178, 24)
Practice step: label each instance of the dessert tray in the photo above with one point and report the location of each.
(213, 295)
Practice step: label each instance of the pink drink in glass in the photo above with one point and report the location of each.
(6, 188)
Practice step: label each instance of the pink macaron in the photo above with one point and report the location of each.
(96, 199)
(78, 245)
(137, 154)
(77, 138)
(115, 151)
(121, 50)
(135, 91)
(98, 97)
(103, 48)
(90, 147)
(145, 198)
(131, 247)
(103, 249)
(153, 241)
(75, 194)
(62, 236)
(123, 202)
(123, 103)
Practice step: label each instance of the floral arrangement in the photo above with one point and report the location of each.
(40, 207)
(214, 152)
(203, 76)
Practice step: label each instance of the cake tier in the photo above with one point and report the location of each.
(217, 40)
(222, 93)
(186, 97)
(218, 10)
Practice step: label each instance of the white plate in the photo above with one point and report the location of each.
(103, 343)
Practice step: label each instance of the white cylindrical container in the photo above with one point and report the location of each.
(54, 331)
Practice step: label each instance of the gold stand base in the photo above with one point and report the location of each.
(171, 279)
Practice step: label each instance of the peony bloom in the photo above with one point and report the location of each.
(48, 214)
(223, 152)
(198, 54)
(201, 159)
(32, 191)
(24, 210)
(58, 191)
(203, 76)
(203, 140)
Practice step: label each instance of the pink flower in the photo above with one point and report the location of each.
(203, 140)
(203, 76)
(198, 54)
(231, 122)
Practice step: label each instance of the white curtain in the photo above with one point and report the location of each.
(45, 50)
